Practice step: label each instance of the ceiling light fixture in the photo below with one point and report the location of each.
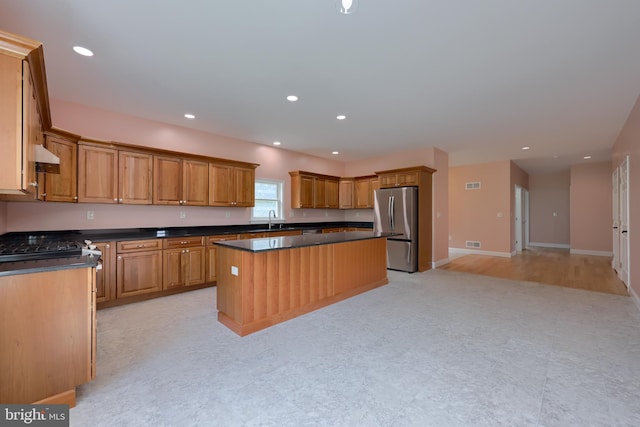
(276, 142)
(526, 148)
(189, 116)
(586, 157)
(341, 117)
(347, 7)
(82, 51)
(335, 152)
(292, 98)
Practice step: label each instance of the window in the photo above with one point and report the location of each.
(268, 197)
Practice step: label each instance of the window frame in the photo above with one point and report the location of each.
(279, 201)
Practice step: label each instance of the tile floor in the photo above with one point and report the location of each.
(438, 348)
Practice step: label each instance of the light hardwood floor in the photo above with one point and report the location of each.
(544, 265)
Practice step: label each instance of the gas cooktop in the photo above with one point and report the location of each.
(38, 247)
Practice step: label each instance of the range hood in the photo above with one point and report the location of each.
(46, 161)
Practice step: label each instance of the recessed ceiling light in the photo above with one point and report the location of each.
(335, 152)
(341, 117)
(526, 148)
(276, 142)
(190, 116)
(292, 98)
(555, 156)
(586, 157)
(82, 51)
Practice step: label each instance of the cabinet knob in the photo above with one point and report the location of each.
(33, 184)
(187, 250)
(75, 197)
(119, 256)
(44, 194)
(141, 246)
(120, 200)
(107, 246)
(115, 200)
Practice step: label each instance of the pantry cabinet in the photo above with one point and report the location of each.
(24, 112)
(231, 185)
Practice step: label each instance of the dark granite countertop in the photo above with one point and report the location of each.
(162, 232)
(41, 265)
(289, 242)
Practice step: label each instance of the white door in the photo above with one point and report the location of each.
(624, 222)
(525, 218)
(615, 189)
(518, 225)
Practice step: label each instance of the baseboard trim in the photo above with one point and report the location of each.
(441, 262)
(477, 252)
(596, 253)
(550, 245)
(634, 297)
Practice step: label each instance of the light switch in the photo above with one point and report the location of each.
(183, 214)
(234, 270)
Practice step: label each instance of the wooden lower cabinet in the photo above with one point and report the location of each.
(183, 267)
(105, 277)
(47, 335)
(138, 273)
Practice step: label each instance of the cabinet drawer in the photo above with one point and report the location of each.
(182, 242)
(252, 236)
(139, 245)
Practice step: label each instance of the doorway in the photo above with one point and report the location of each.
(522, 218)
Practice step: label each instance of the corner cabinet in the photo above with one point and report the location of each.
(232, 185)
(365, 189)
(312, 190)
(24, 112)
(421, 177)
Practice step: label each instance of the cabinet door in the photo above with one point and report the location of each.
(387, 180)
(32, 131)
(320, 193)
(62, 187)
(307, 185)
(195, 183)
(105, 278)
(97, 175)
(346, 194)
(211, 253)
(10, 120)
(244, 186)
(138, 273)
(331, 194)
(375, 185)
(195, 270)
(173, 268)
(221, 192)
(134, 178)
(363, 188)
(407, 179)
(167, 180)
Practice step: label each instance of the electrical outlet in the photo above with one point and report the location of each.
(91, 215)
(183, 214)
(304, 214)
(326, 213)
(234, 270)
(227, 214)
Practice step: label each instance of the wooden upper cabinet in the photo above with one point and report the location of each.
(24, 112)
(310, 190)
(400, 178)
(97, 174)
(195, 183)
(167, 180)
(231, 185)
(346, 193)
(365, 188)
(62, 187)
(135, 174)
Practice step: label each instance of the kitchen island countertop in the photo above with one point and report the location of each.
(289, 242)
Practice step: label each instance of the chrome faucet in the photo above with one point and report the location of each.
(274, 217)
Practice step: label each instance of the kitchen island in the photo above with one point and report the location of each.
(262, 282)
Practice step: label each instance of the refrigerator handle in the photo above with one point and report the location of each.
(392, 209)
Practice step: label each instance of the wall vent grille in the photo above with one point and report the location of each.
(473, 244)
(472, 185)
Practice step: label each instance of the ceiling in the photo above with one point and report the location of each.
(479, 79)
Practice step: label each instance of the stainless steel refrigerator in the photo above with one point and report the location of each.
(396, 211)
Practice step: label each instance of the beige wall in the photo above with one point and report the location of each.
(481, 215)
(591, 210)
(548, 194)
(628, 143)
